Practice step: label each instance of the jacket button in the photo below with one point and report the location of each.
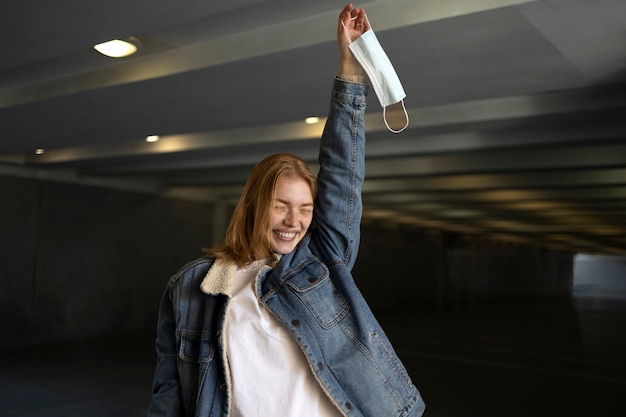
(312, 280)
(222, 387)
(295, 322)
(349, 406)
(320, 366)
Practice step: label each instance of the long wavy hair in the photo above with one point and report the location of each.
(248, 236)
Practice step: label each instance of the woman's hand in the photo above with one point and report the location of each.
(352, 24)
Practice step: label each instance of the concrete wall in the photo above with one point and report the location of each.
(78, 262)
(402, 268)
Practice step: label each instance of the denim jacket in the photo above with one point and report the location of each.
(310, 290)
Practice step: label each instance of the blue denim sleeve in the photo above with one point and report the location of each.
(166, 393)
(338, 208)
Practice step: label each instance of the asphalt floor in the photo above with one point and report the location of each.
(506, 360)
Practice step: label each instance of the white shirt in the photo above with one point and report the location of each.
(270, 374)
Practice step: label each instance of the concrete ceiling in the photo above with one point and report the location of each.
(517, 107)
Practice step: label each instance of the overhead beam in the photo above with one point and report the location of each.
(303, 31)
(506, 181)
(455, 123)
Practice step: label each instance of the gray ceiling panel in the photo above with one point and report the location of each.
(517, 107)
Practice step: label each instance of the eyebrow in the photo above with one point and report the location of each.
(288, 203)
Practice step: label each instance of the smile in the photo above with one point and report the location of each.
(285, 235)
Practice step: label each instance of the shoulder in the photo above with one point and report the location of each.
(192, 271)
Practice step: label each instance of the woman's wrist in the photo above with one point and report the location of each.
(350, 67)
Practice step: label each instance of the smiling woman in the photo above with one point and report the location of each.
(267, 196)
(270, 321)
(292, 214)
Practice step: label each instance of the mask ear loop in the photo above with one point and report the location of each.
(345, 30)
(406, 117)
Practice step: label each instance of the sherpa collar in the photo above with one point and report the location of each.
(219, 278)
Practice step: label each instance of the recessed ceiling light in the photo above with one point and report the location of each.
(311, 120)
(116, 48)
(152, 138)
(39, 151)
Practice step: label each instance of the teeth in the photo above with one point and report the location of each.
(285, 235)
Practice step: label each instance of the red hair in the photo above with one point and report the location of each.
(248, 236)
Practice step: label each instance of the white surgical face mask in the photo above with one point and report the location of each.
(367, 50)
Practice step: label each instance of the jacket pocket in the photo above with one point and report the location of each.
(313, 287)
(195, 355)
(196, 347)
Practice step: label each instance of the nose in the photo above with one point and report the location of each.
(291, 218)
